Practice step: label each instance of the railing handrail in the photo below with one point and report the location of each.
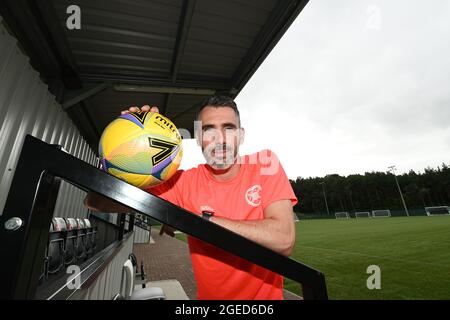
(38, 157)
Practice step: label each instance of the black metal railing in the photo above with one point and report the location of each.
(31, 200)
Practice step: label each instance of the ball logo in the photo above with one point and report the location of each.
(139, 116)
(166, 122)
(166, 147)
(253, 195)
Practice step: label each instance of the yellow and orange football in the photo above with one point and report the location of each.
(141, 148)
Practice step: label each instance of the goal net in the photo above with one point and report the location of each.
(440, 210)
(362, 214)
(381, 213)
(342, 215)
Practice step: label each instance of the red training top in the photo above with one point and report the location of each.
(261, 181)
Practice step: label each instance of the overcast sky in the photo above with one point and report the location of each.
(353, 86)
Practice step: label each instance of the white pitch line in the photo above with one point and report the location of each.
(380, 257)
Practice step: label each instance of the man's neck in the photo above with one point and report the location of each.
(225, 174)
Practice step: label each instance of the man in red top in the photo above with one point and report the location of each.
(250, 195)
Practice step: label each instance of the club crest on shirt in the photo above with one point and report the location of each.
(253, 195)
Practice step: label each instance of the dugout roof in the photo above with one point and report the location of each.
(170, 53)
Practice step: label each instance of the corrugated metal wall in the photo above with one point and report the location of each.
(26, 107)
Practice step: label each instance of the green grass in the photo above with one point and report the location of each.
(181, 236)
(413, 254)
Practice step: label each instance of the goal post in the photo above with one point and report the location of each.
(437, 211)
(381, 213)
(362, 214)
(342, 215)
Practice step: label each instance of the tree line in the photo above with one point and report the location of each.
(373, 191)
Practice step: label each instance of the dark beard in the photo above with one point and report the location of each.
(222, 163)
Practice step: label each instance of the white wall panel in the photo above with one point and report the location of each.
(109, 282)
(141, 235)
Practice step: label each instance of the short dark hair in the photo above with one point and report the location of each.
(217, 102)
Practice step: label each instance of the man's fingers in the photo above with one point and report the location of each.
(130, 109)
(150, 108)
(144, 108)
(154, 109)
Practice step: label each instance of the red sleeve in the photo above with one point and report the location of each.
(169, 190)
(276, 185)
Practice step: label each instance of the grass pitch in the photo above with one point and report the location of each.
(413, 254)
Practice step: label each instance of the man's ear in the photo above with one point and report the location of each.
(198, 137)
(198, 132)
(241, 135)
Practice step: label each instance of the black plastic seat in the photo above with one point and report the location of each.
(55, 247)
(89, 235)
(94, 238)
(81, 241)
(70, 239)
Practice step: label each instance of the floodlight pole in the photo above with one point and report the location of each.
(324, 196)
(392, 170)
